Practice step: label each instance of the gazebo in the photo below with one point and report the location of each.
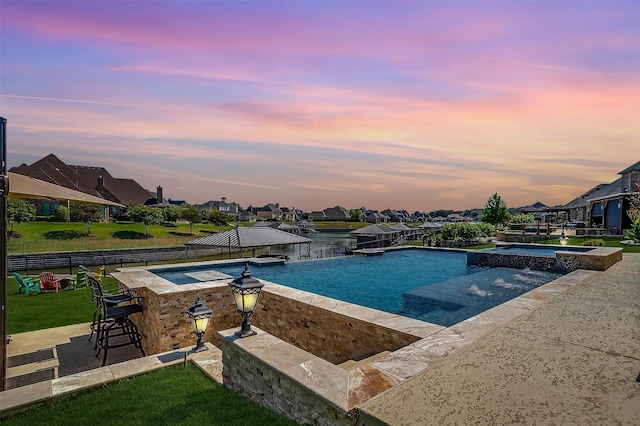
(242, 238)
(375, 236)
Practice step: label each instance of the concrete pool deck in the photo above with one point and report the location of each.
(573, 360)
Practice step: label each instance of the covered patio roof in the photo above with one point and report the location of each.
(21, 186)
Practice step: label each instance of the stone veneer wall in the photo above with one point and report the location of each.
(165, 325)
(562, 262)
(326, 334)
(246, 373)
(494, 260)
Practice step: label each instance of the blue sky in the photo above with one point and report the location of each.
(414, 105)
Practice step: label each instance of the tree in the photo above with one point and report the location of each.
(216, 217)
(62, 214)
(495, 211)
(145, 215)
(85, 212)
(172, 213)
(19, 211)
(633, 212)
(191, 214)
(356, 215)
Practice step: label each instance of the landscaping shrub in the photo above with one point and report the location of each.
(64, 235)
(130, 235)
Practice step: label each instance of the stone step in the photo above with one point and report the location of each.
(351, 364)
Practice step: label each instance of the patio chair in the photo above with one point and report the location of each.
(80, 281)
(49, 282)
(99, 298)
(26, 283)
(98, 275)
(113, 321)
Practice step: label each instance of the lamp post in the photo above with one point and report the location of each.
(563, 238)
(199, 316)
(245, 290)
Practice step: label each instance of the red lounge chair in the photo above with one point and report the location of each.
(48, 282)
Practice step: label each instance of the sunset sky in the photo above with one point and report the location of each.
(416, 105)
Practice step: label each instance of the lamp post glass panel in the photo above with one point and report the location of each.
(245, 290)
(199, 316)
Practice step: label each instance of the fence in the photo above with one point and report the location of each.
(67, 262)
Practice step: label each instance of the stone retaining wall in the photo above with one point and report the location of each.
(291, 382)
(323, 332)
(165, 325)
(327, 334)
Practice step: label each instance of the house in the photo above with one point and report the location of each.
(290, 215)
(317, 215)
(231, 209)
(337, 214)
(247, 216)
(606, 205)
(393, 215)
(268, 212)
(376, 217)
(96, 181)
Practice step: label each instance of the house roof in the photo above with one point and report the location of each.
(614, 188)
(583, 200)
(249, 237)
(85, 179)
(632, 168)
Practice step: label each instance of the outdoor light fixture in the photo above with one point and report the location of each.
(199, 316)
(563, 238)
(245, 293)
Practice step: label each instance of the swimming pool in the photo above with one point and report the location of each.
(430, 285)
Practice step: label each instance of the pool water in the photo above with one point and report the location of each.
(388, 282)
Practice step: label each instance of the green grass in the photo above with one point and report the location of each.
(48, 310)
(39, 236)
(175, 395)
(608, 242)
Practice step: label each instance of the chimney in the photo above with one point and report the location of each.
(159, 195)
(100, 182)
(224, 199)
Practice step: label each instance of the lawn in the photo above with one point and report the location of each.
(51, 309)
(43, 236)
(608, 242)
(175, 395)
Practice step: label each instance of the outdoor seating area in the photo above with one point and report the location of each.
(111, 323)
(49, 282)
(28, 284)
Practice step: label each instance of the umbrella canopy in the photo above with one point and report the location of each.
(21, 186)
(249, 237)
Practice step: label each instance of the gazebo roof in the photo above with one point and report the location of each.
(248, 237)
(375, 229)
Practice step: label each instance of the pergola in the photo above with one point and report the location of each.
(242, 238)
